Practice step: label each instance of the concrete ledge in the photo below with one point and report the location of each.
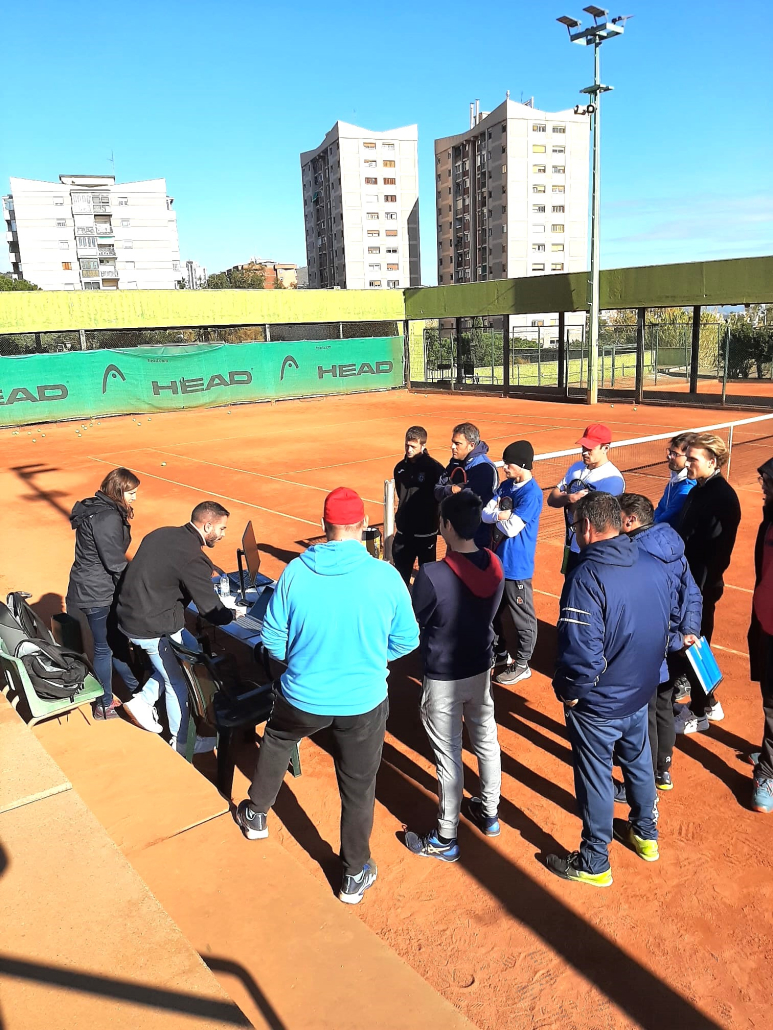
(29, 773)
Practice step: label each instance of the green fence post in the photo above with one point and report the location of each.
(506, 355)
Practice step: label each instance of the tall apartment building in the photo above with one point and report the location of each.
(512, 195)
(195, 275)
(88, 233)
(361, 209)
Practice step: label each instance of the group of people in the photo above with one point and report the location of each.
(642, 582)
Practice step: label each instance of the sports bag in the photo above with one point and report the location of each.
(55, 673)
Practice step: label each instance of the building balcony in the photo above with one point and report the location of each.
(108, 271)
(101, 208)
(89, 273)
(107, 252)
(104, 230)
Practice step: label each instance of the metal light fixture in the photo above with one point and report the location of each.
(602, 29)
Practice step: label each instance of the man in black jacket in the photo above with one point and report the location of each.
(455, 601)
(169, 571)
(416, 521)
(708, 525)
(471, 469)
(760, 639)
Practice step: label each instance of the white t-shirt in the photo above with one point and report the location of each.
(607, 478)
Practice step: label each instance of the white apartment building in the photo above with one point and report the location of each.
(195, 275)
(512, 195)
(361, 209)
(88, 233)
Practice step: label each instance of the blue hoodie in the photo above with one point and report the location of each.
(665, 544)
(482, 479)
(337, 617)
(671, 503)
(613, 630)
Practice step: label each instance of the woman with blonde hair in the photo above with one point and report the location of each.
(102, 537)
(708, 525)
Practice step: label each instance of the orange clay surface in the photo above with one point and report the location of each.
(684, 943)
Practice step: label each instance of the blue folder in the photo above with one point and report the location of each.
(704, 665)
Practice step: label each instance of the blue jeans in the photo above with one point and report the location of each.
(104, 659)
(594, 741)
(167, 679)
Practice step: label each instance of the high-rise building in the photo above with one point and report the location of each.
(195, 275)
(88, 233)
(361, 209)
(512, 195)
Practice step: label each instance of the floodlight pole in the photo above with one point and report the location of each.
(593, 349)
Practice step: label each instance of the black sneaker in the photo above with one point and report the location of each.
(353, 887)
(514, 673)
(621, 798)
(488, 824)
(663, 780)
(253, 824)
(100, 711)
(681, 689)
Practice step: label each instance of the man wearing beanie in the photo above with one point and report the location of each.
(514, 511)
(455, 601)
(336, 618)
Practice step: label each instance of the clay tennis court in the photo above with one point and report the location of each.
(687, 942)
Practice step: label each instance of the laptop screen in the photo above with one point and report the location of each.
(258, 610)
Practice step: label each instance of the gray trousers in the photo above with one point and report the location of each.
(444, 705)
(518, 599)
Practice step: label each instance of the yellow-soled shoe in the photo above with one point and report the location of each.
(567, 869)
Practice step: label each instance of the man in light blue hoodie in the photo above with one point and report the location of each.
(336, 618)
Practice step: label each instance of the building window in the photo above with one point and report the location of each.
(370, 164)
(538, 189)
(390, 182)
(374, 282)
(556, 247)
(175, 266)
(375, 266)
(123, 201)
(556, 268)
(556, 228)
(64, 245)
(558, 189)
(539, 128)
(125, 223)
(391, 250)
(128, 244)
(539, 247)
(373, 232)
(391, 232)
(391, 216)
(504, 209)
(504, 169)
(559, 169)
(538, 209)
(504, 228)
(390, 198)
(559, 128)
(393, 284)
(558, 209)
(538, 268)
(372, 216)
(86, 241)
(370, 181)
(371, 198)
(559, 150)
(537, 322)
(538, 148)
(538, 228)
(387, 146)
(58, 201)
(67, 266)
(388, 164)
(539, 169)
(369, 146)
(392, 268)
(61, 223)
(504, 148)
(128, 265)
(440, 278)
(374, 250)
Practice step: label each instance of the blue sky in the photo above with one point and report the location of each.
(221, 98)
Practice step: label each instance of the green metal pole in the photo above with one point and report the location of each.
(593, 353)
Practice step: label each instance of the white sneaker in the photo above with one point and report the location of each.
(142, 714)
(686, 722)
(202, 746)
(716, 712)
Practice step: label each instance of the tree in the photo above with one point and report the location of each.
(218, 281)
(749, 348)
(9, 284)
(279, 285)
(234, 279)
(182, 284)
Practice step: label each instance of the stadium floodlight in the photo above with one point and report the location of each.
(594, 36)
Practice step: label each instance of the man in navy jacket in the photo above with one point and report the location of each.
(613, 633)
(470, 468)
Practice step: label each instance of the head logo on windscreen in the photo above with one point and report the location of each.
(112, 372)
(289, 360)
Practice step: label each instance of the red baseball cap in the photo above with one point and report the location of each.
(343, 507)
(595, 434)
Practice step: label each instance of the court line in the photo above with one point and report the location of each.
(247, 472)
(211, 493)
(340, 464)
(729, 650)
(745, 590)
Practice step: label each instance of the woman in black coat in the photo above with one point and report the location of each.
(708, 525)
(102, 537)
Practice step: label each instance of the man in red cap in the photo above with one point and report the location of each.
(594, 471)
(336, 618)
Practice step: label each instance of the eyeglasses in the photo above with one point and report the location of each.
(765, 481)
(674, 454)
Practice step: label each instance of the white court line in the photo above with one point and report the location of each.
(729, 650)
(745, 590)
(247, 472)
(211, 493)
(340, 464)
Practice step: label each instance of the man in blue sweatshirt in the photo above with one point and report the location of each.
(514, 512)
(336, 618)
(470, 468)
(613, 632)
(679, 484)
(455, 601)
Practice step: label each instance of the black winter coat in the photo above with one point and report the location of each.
(102, 537)
(708, 525)
(169, 571)
(757, 637)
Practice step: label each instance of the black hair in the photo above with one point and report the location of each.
(208, 511)
(418, 433)
(638, 505)
(462, 510)
(602, 510)
(468, 431)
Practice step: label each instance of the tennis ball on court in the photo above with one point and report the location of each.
(163, 463)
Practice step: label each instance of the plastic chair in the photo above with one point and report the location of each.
(228, 710)
(19, 689)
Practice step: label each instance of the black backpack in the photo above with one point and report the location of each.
(56, 673)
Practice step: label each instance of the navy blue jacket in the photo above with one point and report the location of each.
(613, 630)
(665, 544)
(482, 479)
